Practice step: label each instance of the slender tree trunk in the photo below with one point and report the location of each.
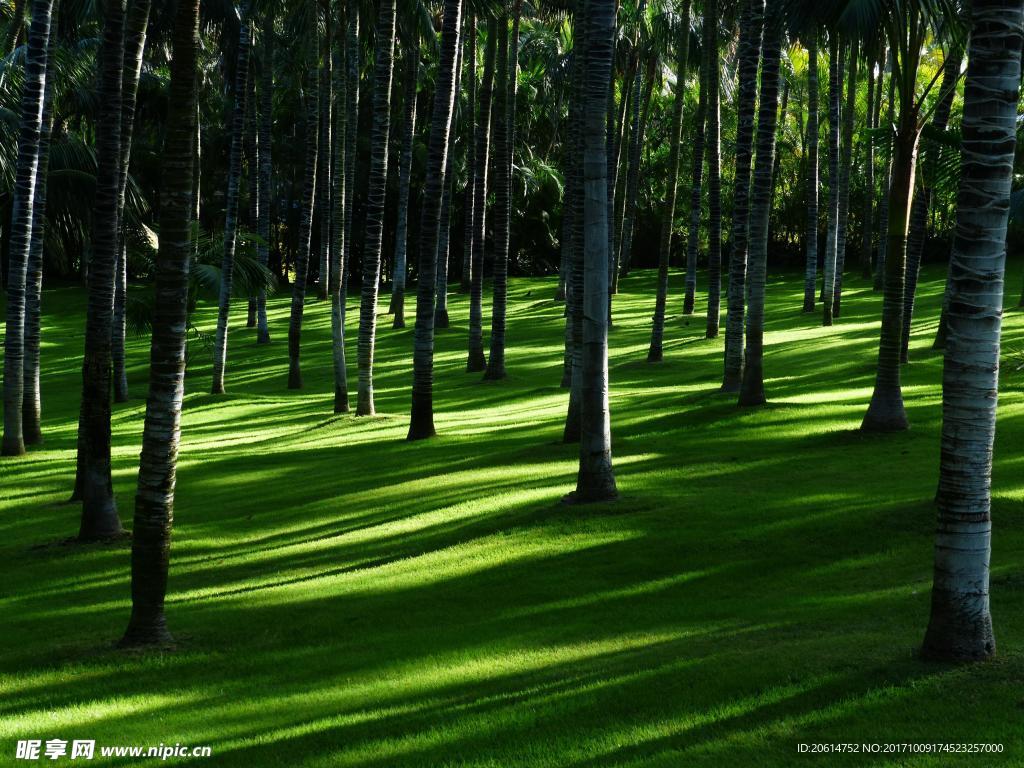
(469, 196)
(695, 189)
(383, 67)
(845, 163)
(596, 480)
(656, 351)
(309, 190)
(14, 27)
(752, 388)
(220, 350)
(338, 266)
(325, 164)
(751, 32)
(27, 174)
(866, 243)
(835, 95)
(960, 627)
(353, 53)
(476, 361)
(714, 160)
(265, 120)
(252, 164)
(445, 219)
(421, 423)
(410, 77)
(641, 89)
(883, 212)
(812, 181)
(513, 84)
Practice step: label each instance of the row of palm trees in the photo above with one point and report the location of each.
(597, 240)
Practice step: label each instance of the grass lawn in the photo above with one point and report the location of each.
(344, 598)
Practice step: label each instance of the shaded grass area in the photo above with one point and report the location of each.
(344, 598)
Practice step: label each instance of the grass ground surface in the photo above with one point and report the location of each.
(344, 598)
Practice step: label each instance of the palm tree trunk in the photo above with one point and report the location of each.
(476, 361)
(642, 88)
(410, 78)
(867, 242)
(14, 27)
(656, 351)
(469, 197)
(845, 163)
(27, 174)
(421, 423)
(383, 69)
(513, 83)
(693, 235)
(596, 479)
(252, 164)
(154, 500)
(496, 359)
(309, 190)
(751, 32)
(752, 388)
(136, 23)
(960, 627)
(883, 211)
(325, 165)
(922, 201)
(220, 350)
(714, 160)
(352, 58)
(835, 95)
(445, 218)
(338, 266)
(812, 181)
(265, 120)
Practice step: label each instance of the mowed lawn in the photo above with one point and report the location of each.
(344, 598)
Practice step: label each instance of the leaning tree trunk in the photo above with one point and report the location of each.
(656, 351)
(99, 511)
(32, 404)
(469, 196)
(410, 78)
(695, 187)
(338, 266)
(751, 32)
(845, 161)
(421, 422)
(265, 120)
(383, 69)
(32, 101)
(596, 479)
(476, 361)
(835, 94)
(812, 181)
(309, 189)
(752, 388)
(136, 23)
(220, 348)
(922, 202)
(714, 159)
(154, 499)
(496, 359)
(960, 627)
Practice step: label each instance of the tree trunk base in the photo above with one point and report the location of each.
(100, 521)
(217, 388)
(364, 404)
(885, 413)
(955, 634)
(494, 373)
(752, 389)
(421, 427)
(809, 307)
(263, 337)
(733, 382)
(592, 488)
(147, 632)
(688, 306)
(655, 355)
(441, 318)
(33, 435)
(13, 446)
(399, 322)
(340, 400)
(294, 377)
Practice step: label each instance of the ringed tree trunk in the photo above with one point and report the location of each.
(835, 93)
(265, 120)
(154, 499)
(695, 187)
(32, 101)
(338, 266)
(252, 164)
(421, 422)
(867, 242)
(352, 58)
(596, 479)
(309, 188)
(496, 359)
(469, 196)
(325, 166)
(477, 362)
(136, 23)
(812, 181)
(752, 387)
(99, 511)
(751, 32)
(445, 219)
(960, 627)
(410, 77)
(220, 349)
(383, 68)
(656, 351)
(883, 211)
(845, 162)
(714, 159)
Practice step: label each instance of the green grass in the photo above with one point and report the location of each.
(342, 597)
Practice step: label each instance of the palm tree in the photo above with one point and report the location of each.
(325, 166)
(714, 160)
(421, 422)
(867, 240)
(596, 480)
(476, 361)
(695, 187)
(752, 388)
(99, 511)
(410, 78)
(469, 197)
(265, 120)
(845, 161)
(445, 221)
(220, 350)
(923, 198)
(309, 189)
(655, 353)
(812, 179)
(960, 626)
(835, 94)
(636, 141)
(383, 69)
(154, 500)
(136, 23)
(751, 32)
(338, 267)
(352, 59)
(32, 102)
(883, 208)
